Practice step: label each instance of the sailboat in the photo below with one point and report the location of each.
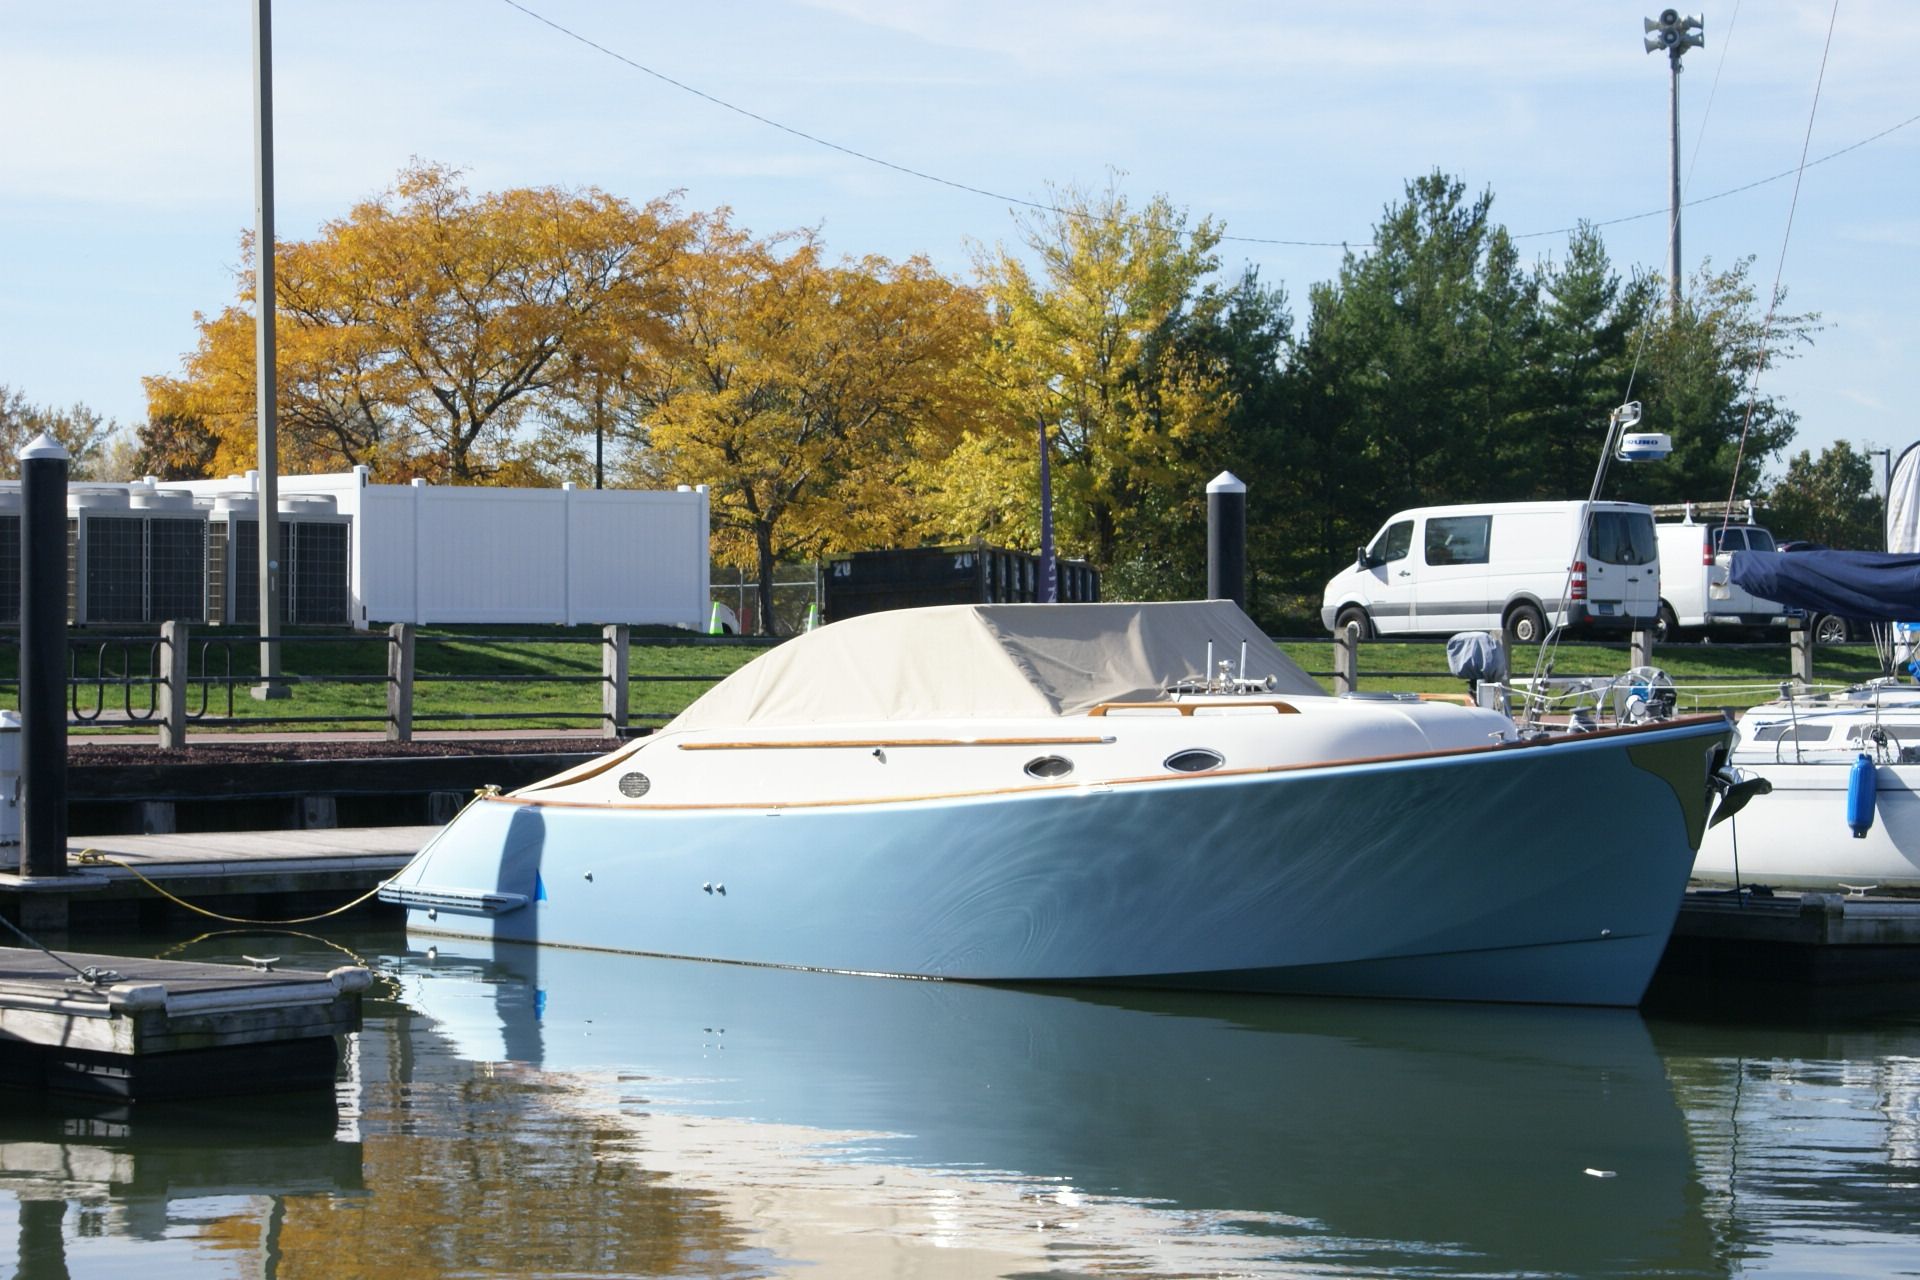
(1843, 813)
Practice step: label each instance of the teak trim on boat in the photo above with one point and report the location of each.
(895, 742)
(1721, 721)
(1188, 708)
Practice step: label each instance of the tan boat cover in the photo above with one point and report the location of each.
(984, 661)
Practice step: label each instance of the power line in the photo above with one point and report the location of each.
(1734, 191)
(1043, 207)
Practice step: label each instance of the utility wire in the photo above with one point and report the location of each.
(1043, 207)
(1773, 304)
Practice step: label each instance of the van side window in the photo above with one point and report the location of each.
(1623, 537)
(1458, 539)
(1393, 543)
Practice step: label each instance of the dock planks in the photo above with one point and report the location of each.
(127, 1027)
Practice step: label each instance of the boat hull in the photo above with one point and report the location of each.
(1796, 836)
(1549, 873)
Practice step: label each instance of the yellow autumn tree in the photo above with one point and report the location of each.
(430, 332)
(1094, 336)
(805, 394)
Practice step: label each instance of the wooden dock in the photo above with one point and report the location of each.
(122, 1027)
(255, 875)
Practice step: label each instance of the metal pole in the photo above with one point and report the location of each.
(1227, 539)
(43, 657)
(267, 392)
(1049, 564)
(599, 432)
(1673, 233)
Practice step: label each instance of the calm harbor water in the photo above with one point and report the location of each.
(540, 1112)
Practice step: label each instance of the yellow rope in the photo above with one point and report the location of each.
(95, 856)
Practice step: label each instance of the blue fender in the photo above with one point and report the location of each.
(1861, 786)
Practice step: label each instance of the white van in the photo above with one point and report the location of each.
(1695, 595)
(1505, 565)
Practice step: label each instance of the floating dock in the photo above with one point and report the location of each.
(122, 1027)
(1825, 939)
(239, 874)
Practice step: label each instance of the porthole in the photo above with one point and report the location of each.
(1049, 767)
(1195, 760)
(634, 785)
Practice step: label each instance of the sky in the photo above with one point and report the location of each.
(127, 174)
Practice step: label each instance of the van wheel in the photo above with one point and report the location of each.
(1525, 625)
(1354, 616)
(1667, 627)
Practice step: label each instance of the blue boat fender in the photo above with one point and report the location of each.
(1861, 786)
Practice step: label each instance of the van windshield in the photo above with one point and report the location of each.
(1623, 537)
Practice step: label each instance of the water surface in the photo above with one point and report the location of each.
(520, 1111)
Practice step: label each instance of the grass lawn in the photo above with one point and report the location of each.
(492, 677)
(503, 677)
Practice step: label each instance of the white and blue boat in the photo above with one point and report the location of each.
(1840, 768)
(1138, 794)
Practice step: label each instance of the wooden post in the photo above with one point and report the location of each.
(613, 684)
(1346, 660)
(172, 693)
(1800, 654)
(1640, 648)
(400, 682)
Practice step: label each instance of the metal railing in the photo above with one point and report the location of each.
(177, 679)
(1348, 646)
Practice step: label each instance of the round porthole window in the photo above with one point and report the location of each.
(1195, 760)
(1049, 767)
(634, 785)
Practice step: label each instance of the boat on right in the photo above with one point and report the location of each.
(1843, 811)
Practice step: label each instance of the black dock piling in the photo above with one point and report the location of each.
(43, 657)
(1227, 539)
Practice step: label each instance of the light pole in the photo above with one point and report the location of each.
(1676, 35)
(266, 394)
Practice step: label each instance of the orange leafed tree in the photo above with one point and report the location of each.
(803, 392)
(427, 332)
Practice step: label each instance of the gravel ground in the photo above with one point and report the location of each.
(279, 749)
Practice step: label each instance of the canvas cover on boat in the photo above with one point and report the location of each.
(989, 660)
(1853, 584)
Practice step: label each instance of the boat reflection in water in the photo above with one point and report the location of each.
(849, 1119)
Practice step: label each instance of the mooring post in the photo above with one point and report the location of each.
(1640, 648)
(400, 682)
(1800, 655)
(1346, 660)
(613, 684)
(1227, 539)
(43, 657)
(173, 685)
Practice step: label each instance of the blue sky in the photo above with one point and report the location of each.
(127, 175)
